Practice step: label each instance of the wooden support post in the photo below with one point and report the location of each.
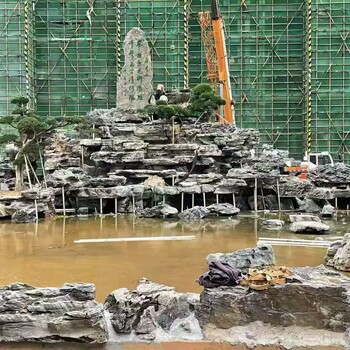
(93, 131)
(63, 201)
(43, 167)
(101, 206)
(182, 202)
(116, 206)
(36, 210)
(233, 199)
(163, 198)
(173, 180)
(217, 199)
(256, 194)
(336, 203)
(204, 200)
(64, 231)
(192, 200)
(82, 157)
(33, 171)
(278, 194)
(173, 127)
(27, 170)
(262, 197)
(133, 204)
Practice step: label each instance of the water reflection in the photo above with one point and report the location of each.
(45, 254)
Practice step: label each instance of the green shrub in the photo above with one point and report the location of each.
(165, 111)
(161, 103)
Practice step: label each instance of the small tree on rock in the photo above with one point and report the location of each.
(205, 101)
(29, 132)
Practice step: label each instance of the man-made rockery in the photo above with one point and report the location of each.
(201, 164)
(311, 310)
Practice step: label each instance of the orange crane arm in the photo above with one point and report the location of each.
(224, 75)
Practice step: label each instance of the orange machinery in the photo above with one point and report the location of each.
(223, 68)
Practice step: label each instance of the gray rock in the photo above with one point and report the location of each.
(327, 210)
(309, 227)
(321, 193)
(159, 211)
(44, 195)
(109, 117)
(147, 325)
(293, 186)
(23, 216)
(61, 314)
(111, 192)
(66, 178)
(328, 174)
(107, 181)
(338, 254)
(195, 213)
(225, 209)
(59, 161)
(303, 217)
(332, 250)
(205, 178)
(152, 309)
(308, 205)
(4, 212)
(319, 301)
(230, 185)
(242, 173)
(273, 223)
(244, 259)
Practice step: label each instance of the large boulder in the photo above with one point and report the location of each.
(327, 210)
(338, 254)
(309, 227)
(318, 299)
(273, 223)
(261, 256)
(159, 211)
(325, 175)
(223, 209)
(21, 216)
(309, 205)
(61, 314)
(195, 213)
(153, 312)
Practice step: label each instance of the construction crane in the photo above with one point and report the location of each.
(218, 40)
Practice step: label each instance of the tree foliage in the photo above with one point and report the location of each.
(28, 130)
(204, 100)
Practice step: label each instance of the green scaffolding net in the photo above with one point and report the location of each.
(66, 57)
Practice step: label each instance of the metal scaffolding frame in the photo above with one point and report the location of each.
(75, 56)
(289, 61)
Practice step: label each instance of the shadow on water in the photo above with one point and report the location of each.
(45, 254)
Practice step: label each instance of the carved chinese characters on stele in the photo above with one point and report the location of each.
(134, 86)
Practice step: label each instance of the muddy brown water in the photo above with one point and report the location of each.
(45, 254)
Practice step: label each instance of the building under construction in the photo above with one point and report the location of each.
(289, 60)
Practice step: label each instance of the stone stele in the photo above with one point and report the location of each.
(134, 86)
